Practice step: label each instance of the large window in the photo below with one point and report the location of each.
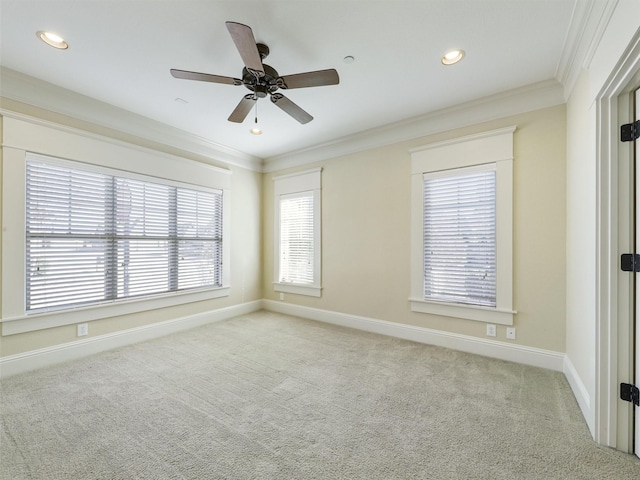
(97, 235)
(297, 233)
(461, 248)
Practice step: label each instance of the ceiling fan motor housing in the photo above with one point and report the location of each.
(261, 85)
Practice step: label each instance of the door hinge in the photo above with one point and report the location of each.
(630, 131)
(630, 262)
(630, 393)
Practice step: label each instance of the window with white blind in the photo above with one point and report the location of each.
(460, 236)
(96, 235)
(462, 228)
(296, 238)
(297, 233)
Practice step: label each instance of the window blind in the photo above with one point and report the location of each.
(460, 237)
(296, 238)
(94, 237)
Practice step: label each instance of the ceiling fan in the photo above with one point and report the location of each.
(262, 79)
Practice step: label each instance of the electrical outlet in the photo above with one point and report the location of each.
(491, 330)
(511, 333)
(83, 329)
(281, 296)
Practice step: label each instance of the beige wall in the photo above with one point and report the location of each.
(245, 274)
(366, 233)
(581, 235)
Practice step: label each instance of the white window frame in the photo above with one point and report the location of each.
(493, 147)
(26, 136)
(300, 182)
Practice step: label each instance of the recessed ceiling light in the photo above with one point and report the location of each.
(452, 56)
(256, 131)
(52, 39)
(349, 59)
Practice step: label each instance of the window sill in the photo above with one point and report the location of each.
(468, 312)
(57, 318)
(298, 289)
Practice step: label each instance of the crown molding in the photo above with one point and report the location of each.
(588, 24)
(32, 91)
(28, 90)
(525, 99)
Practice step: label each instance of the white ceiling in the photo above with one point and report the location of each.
(121, 52)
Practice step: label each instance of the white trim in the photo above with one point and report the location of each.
(44, 357)
(298, 289)
(608, 427)
(29, 90)
(32, 135)
(307, 182)
(118, 172)
(605, 411)
(487, 147)
(588, 24)
(226, 237)
(40, 321)
(491, 147)
(505, 146)
(103, 138)
(579, 390)
(505, 104)
(32, 91)
(299, 174)
(625, 281)
(469, 312)
(536, 357)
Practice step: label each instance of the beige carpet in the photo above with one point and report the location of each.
(266, 396)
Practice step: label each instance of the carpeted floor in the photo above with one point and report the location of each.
(266, 396)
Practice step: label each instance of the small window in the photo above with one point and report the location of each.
(462, 228)
(297, 232)
(95, 236)
(296, 238)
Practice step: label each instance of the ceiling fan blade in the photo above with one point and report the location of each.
(242, 36)
(242, 109)
(205, 77)
(309, 79)
(291, 108)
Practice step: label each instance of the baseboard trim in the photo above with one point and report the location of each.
(489, 348)
(580, 392)
(32, 360)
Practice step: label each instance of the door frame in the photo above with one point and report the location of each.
(635, 329)
(614, 301)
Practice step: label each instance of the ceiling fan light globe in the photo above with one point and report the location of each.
(260, 91)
